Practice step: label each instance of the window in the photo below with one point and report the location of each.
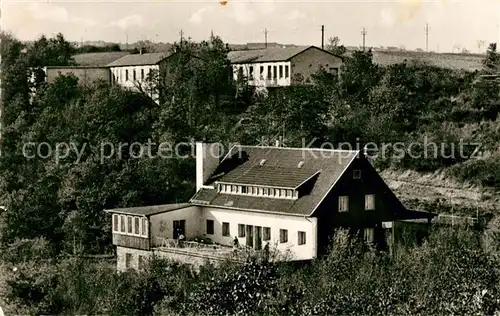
(210, 227)
(241, 230)
(286, 72)
(244, 189)
(262, 72)
(369, 235)
(343, 203)
(126, 74)
(301, 238)
(129, 224)
(128, 260)
(369, 202)
(116, 221)
(122, 223)
(142, 74)
(269, 72)
(266, 191)
(133, 74)
(136, 225)
(266, 233)
(282, 192)
(233, 188)
(225, 229)
(145, 227)
(262, 162)
(251, 71)
(142, 262)
(289, 193)
(300, 164)
(356, 174)
(281, 71)
(275, 72)
(283, 236)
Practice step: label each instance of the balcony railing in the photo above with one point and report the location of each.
(205, 250)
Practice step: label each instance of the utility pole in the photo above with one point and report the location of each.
(265, 33)
(322, 37)
(427, 38)
(364, 37)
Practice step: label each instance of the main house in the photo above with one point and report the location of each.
(282, 66)
(291, 198)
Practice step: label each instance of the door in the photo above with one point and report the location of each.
(249, 236)
(179, 228)
(258, 238)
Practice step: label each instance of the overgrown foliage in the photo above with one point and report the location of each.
(450, 273)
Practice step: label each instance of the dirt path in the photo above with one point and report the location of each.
(435, 186)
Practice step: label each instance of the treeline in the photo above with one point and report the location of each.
(454, 273)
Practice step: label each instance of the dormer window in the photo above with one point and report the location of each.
(262, 162)
(300, 164)
(257, 191)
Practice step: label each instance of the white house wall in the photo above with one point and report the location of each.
(258, 79)
(293, 224)
(162, 224)
(118, 76)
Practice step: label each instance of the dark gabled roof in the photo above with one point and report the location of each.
(241, 159)
(139, 59)
(149, 210)
(272, 54)
(270, 176)
(98, 59)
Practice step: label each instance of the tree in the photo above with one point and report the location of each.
(492, 60)
(334, 46)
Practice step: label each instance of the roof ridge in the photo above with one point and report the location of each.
(299, 148)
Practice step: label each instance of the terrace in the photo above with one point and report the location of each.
(202, 250)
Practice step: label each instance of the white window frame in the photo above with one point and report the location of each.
(369, 235)
(116, 223)
(367, 199)
(283, 232)
(343, 204)
(144, 227)
(123, 219)
(138, 231)
(301, 241)
(228, 229)
(241, 230)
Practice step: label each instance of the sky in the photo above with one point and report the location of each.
(452, 24)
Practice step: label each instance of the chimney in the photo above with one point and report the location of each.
(207, 160)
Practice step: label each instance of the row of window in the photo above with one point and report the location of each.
(119, 74)
(130, 225)
(257, 191)
(369, 203)
(248, 231)
(272, 72)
